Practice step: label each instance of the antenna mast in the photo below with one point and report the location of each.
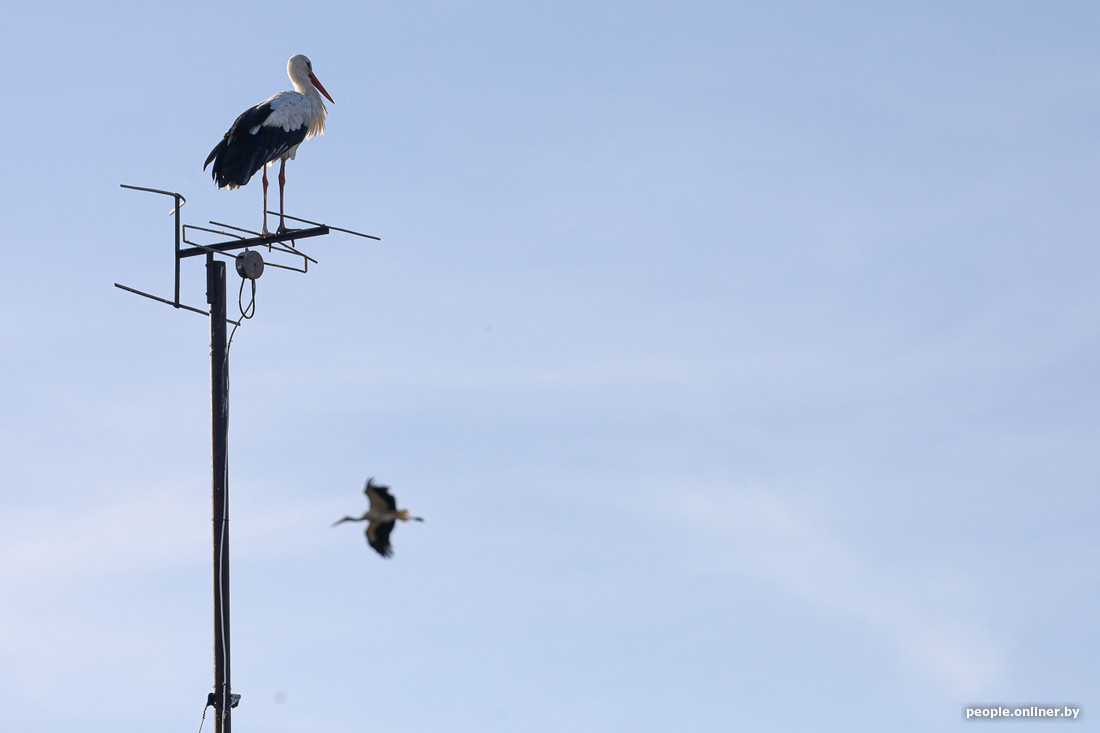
(249, 265)
(219, 453)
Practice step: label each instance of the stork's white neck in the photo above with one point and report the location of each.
(300, 71)
(305, 86)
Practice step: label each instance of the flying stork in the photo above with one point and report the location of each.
(380, 517)
(270, 131)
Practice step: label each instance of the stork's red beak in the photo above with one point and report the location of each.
(317, 84)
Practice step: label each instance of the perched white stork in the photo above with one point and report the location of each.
(380, 517)
(270, 131)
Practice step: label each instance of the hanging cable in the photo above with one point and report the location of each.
(246, 312)
(203, 721)
(251, 309)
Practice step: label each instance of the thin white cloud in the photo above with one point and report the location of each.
(781, 543)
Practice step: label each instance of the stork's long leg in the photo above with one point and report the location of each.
(282, 184)
(264, 230)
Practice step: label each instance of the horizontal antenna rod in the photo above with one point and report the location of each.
(317, 224)
(155, 190)
(252, 242)
(157, 298)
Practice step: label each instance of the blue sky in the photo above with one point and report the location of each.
(741, 356)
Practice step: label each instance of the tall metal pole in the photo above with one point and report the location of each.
(219, 414)
(222, 699)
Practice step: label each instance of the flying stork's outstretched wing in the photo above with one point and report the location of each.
(378, 537)
(379, 496)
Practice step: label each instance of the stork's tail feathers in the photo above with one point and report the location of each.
(217, 155)
(231, 169)
(218, 150)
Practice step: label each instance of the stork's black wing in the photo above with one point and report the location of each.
(379, 496)
(378, 537)
(250, 145)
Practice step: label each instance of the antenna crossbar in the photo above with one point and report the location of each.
(159, 299)
(335, 229)
(252, 241)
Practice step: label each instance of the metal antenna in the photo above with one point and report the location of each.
(249, 265)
